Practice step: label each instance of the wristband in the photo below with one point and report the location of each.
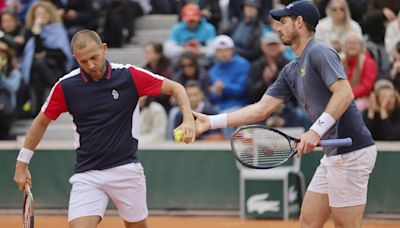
(323, 124)
(25, 155)
(218, 121)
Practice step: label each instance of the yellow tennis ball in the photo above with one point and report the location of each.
(179, 137)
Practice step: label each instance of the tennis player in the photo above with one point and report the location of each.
(102, 98)
(317, 80)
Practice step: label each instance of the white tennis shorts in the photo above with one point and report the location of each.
(125, 185)
(345, 177)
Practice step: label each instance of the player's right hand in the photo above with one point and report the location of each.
(22, 175)
(202, 123)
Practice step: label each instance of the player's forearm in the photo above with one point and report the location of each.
(180, 95)
(36, 131)
(254, 112)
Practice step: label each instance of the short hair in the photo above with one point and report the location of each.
(193, 83)
(81, 39)
(309, 27)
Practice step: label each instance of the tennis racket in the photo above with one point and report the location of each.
(27, 209)
(262, 147)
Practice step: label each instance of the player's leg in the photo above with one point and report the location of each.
(348, 217)
(87, 202)
(126, 186)
(314, 210)
(140, 224)
(348, 176)
(85, 222)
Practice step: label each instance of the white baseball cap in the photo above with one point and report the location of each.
(223, 41)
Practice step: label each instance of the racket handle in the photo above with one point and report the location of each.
(336, 142)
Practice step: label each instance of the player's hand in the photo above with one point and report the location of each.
(308, 141)
(202, 123)
(22, 175)
(188, 131)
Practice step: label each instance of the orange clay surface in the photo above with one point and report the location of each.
(52, 221)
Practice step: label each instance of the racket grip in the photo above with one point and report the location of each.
(336, 142)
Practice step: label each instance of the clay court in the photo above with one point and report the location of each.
(52, 221)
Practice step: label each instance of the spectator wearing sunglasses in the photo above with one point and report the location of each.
(336, 24)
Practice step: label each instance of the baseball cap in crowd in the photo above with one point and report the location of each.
(271, 38)
(223, 41)
(304, 8)
(255, 3)
(191, 12)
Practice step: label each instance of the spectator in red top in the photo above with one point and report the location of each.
(360, 68)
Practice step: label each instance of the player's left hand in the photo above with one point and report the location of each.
(308, 141)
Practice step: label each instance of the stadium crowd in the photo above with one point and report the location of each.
(226, 53)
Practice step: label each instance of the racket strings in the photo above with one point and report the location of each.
(261, 147)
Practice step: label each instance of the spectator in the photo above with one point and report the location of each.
(189, 69)
(10, 78)
(377, 15)
(20, 7)
(159, 64)
(193, 34)
(263, 73)
(120, 19)
(247, 33)
(79, 14)
(360, 68)
(332, 29)
(236, 10)
(163, 6)
(12, 33)
(357, 8)
(228, 75)
(153, 120)
(395, 69)
(210, 10)
(47, 54)
(198, 103)
(156, 61)
(265, 70)
(392, 35)
(383, 114)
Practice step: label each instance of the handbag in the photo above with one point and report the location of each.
(6, 108)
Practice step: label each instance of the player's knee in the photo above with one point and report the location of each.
(306, 221)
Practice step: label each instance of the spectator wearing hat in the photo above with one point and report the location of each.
(395, 69)
(247, 32)
(263, 73)
(10, 80)
(210, 10)
(383, 114)
(228, 75)
(193, 34)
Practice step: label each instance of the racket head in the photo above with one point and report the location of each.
(262, 147)
(28, 217)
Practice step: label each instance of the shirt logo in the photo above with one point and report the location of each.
(115, 94)
(303, 72)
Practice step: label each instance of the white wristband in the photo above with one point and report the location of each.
(218, 121)
(25, 155)
(323, 124)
